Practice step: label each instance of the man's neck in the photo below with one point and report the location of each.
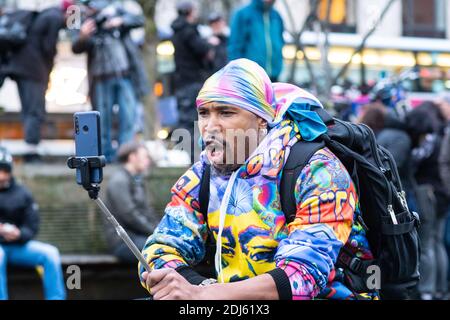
(226, 169)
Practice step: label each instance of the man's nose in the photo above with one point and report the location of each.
(212, 124)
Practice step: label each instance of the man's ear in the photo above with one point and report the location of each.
(262, 124)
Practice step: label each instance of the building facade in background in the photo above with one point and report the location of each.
(412, 34)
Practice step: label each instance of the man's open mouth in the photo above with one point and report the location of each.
(215, 149)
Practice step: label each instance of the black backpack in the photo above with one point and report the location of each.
(391, 228)
(14, 28)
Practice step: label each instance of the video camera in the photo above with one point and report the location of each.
(101, 11)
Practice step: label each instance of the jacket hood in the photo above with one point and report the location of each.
(259, 4)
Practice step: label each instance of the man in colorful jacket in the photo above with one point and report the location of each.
(248, 125)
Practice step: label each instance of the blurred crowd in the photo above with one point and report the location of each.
(418, 139)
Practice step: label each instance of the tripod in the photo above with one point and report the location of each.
(85, 164)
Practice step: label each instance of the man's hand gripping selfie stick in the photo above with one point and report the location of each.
(84, 164)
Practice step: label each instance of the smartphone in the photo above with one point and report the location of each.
(88, 141)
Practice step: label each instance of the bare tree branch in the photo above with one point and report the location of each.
(325, 27)
(149, 7)
(297, 41)
(364, 40)
(228, 6)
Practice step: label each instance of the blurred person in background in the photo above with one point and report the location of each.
(444, 158)
(219, 31)
(30, 66)
(257, 34)
(444, 165)
(426, 126)
(193, 56)
(128, 198)
(3, 53)
(138, 37)
(115, 68)
(19, 223)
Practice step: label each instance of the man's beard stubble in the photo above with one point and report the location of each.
(234, 156)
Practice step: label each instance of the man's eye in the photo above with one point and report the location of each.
(227, 113)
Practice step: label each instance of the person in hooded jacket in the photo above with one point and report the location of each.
(257, 35)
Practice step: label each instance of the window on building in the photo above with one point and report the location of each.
(342, 15)
(424, 18)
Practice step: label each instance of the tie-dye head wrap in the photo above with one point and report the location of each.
(243, 83)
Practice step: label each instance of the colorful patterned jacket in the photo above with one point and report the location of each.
(255, 237)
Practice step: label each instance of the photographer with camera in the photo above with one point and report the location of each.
(115, 68)
(19, 223)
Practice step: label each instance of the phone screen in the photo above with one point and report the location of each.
(88, 141)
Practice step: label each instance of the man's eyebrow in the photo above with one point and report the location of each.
(222, 108)
(217, 107)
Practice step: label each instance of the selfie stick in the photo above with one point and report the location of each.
(85, 164)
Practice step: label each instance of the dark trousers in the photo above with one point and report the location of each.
(434, 259)
(32, 99)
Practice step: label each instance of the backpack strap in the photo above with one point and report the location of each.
(206, 267)
(203, 196)
(300, 154)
